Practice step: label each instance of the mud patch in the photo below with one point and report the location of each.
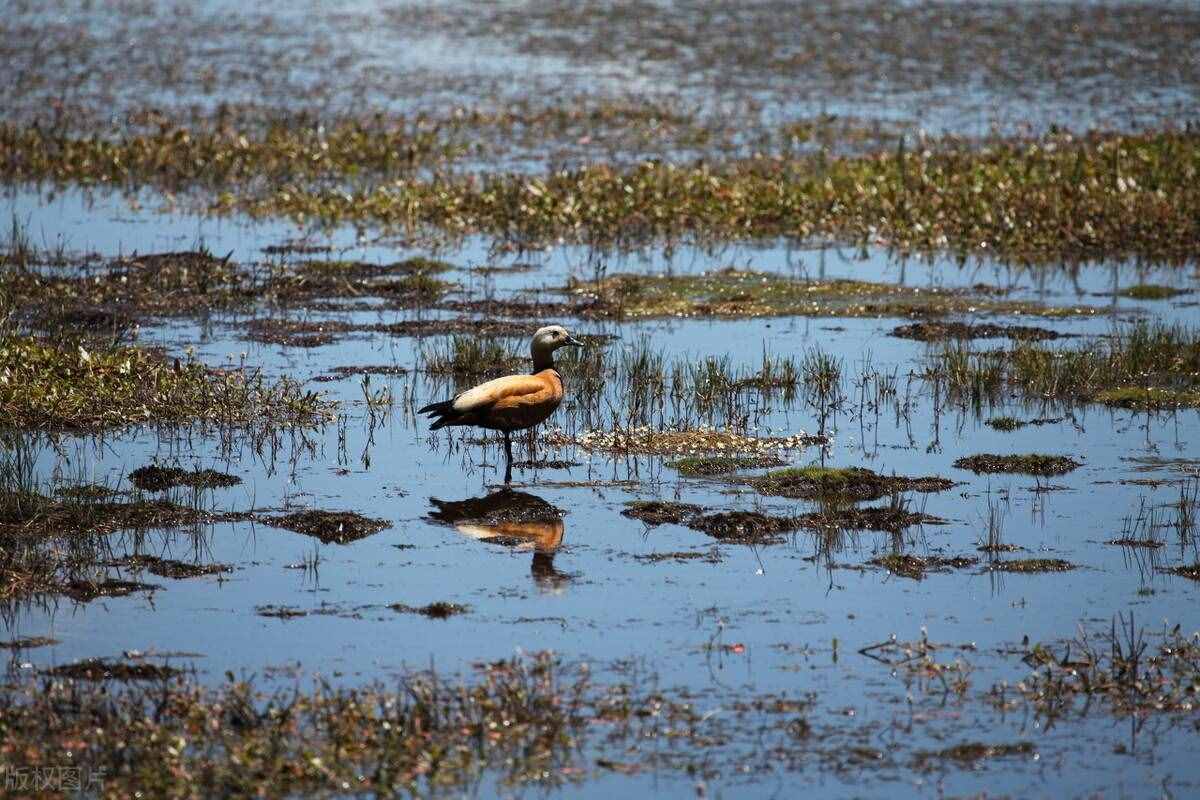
(710, 557)
(438, 610)
(1028, 464)
(99, 669)
(938, 331)
(847, 483)
(743, 527)
(293, 333)
(891, 518)
(85, 591)
(28, 643)
(331, 527)
(280, 612)
(154, 478)
(661, 512)
(968, 755)
(915, 567)
(1032, 565)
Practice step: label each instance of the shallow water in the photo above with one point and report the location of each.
(736, 621)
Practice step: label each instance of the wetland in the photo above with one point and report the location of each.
(878, 473)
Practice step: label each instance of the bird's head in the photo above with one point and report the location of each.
(552, 337)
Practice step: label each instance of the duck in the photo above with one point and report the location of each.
(513, 402)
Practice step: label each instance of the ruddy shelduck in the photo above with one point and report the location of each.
(514, 402)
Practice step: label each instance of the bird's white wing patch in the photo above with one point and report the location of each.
(482, 395)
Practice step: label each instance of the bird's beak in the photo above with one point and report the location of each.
(572, 341)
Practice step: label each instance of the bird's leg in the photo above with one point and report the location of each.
(532, 448)
(507, 457)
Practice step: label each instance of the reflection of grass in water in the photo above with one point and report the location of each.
(54, 537)
(467, 355)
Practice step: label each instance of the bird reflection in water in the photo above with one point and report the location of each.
(514, 519)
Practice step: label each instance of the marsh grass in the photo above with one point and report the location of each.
(470, 356)
(1143, 366)
(1103, 194)
(55, 537)
(736, 293)
(64, 385)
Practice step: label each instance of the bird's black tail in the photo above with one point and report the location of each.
(441, 413)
